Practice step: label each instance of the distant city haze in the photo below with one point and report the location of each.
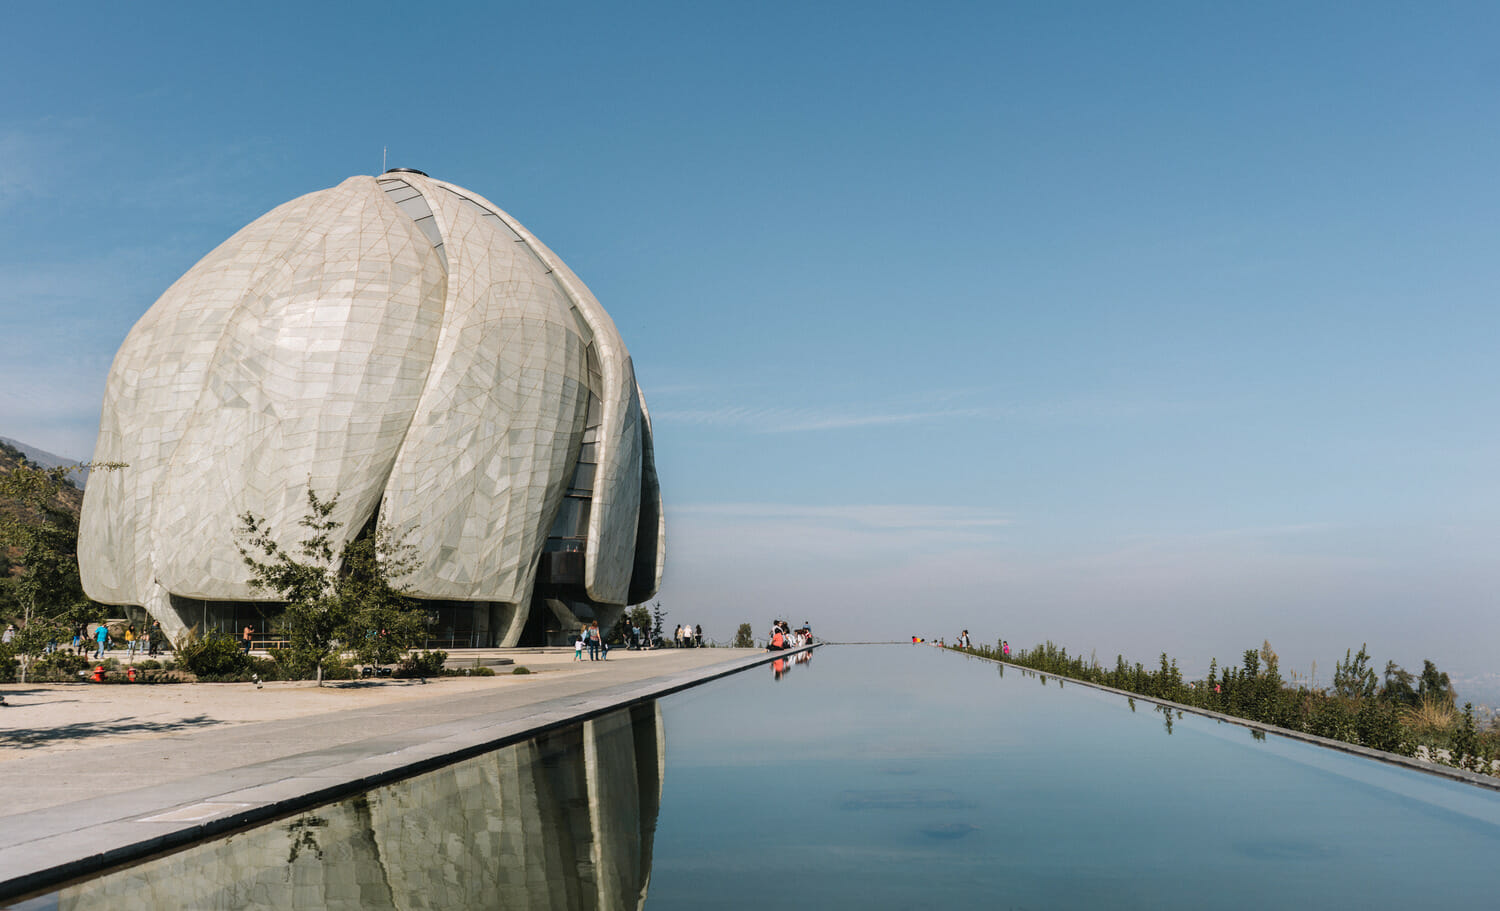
(1136, 329)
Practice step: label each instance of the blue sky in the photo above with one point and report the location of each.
(1139, 327)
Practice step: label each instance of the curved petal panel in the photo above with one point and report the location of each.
(313, 385)
(609, 558)
(483, 468)
(154, 385)
(651, 532)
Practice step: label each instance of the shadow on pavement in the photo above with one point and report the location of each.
(31, 738)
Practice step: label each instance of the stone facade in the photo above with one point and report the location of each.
(403, 343)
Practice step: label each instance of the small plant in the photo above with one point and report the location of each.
(521, 670)
(213, 656)
(1433, 716)
(422, 664)
(1465, 752)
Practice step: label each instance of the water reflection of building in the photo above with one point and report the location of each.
(564, 821)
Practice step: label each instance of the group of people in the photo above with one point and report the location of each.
(590, 640)
(688, 637)
(784, 637)
(962, 641)
(147, 643)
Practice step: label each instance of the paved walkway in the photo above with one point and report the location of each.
(64, 812)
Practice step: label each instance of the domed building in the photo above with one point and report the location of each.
(403, 343)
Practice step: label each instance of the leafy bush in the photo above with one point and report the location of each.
(213, 656)
(469, 672)
(59, 667)
(295, 664)
(1331, 718)
(521, 670)
(422, 664)
(339, 669)
(150, 664)
(1378, 725)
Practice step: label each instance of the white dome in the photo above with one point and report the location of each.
(398, 341)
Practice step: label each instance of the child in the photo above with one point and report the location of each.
(578, 649)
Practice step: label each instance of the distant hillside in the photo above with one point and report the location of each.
(46, 459)
(11, 458)
(69, 501)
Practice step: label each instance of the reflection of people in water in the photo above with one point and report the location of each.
(778, 668)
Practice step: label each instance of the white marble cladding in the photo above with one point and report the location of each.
(398, 341)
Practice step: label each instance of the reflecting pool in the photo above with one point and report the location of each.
(867, 777)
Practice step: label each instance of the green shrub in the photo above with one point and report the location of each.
(213, 657)
(58, 667)
(422, 664)
(339, 669)
(1331, 718)
(150, 664)
(521, 670)
(469, 672)
(265, 667)
(290, 664)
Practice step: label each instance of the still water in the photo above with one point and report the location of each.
(867, 777)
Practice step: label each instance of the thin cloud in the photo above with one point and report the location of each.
(889, 517)
(911, 409)
(795, 420)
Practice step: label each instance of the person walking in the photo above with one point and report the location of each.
(154, 636)
(102, 636)
(130, 642)
(698, 637)
(245, 636)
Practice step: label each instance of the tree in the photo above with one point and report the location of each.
(640, 617)
(1353, 678)
(658, 616)
(1398, 689)
(744, 637)
(383, 622)
(1433, 686)
(42, 539)
(335, 605)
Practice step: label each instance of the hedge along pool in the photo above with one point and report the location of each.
(868, 777)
